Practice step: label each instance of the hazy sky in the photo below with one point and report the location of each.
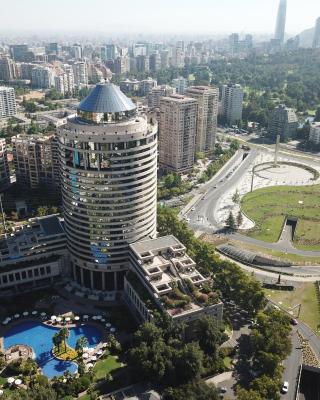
(150, 16)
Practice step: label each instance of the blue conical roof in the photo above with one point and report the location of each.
(106, 98)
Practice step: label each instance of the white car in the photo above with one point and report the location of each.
(193, 208)
(285, 387)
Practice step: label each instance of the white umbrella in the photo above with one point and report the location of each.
(68, 319)
(18, 382)
(93, 358)
(53, 317)
(34, 312)
(43, 314)
(85, 316)
(98, 316)
(112, 330)
(108, 325)
(90, 365)
(25, 314)
(16, 315)
(99, 352)
(10, 380)
(94, 317)
(85, 355)
(59, 319)
(103, 320)
(76, 318)
(1, 392)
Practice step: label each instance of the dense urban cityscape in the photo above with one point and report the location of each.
(159, 201)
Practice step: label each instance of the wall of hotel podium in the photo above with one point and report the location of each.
(20, 277)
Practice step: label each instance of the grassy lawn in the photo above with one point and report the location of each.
(268, 207)
(227, 362)
(294, 258)
(105, 366)
(305, 295)
(65, 354)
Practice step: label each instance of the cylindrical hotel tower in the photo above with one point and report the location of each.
(109, 185)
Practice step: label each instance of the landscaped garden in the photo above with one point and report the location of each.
(269, 207)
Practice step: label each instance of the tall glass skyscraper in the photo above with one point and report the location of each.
(281, 21)
(316, 36)
(109, 185)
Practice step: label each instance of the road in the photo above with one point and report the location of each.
(291, 367)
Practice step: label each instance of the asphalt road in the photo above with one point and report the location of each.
(291, 367)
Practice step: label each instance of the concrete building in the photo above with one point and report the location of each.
(42, 77)
(146, 85)
(36, 160)
(154, 62)
(108, 159)
(177, 133)
(130, 86)
(231, 103)
(76, 51)
(8, 69)
(234, 43)
(142, 63)
(158, 267)
(109, 52)
(164, 58)
(180, 84)
(283, 122)
(208, 101)
(4, 168)
(316, 36)
(315, 133)
(8, 106)
(21, 52)
(121, 65)
(64, 82)
(156, 93)
(281, 22)
(33, 256)
(80, 73)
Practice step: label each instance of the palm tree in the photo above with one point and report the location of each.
(64, 334)
(57, 339)
(81, 343)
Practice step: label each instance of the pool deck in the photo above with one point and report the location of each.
(4, 329)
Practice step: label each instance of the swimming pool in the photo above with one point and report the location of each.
(39, 337)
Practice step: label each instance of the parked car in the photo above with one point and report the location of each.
(285, 387)
(294, 321)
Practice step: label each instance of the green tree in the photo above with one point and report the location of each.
(195, 390)
(64, 332)
(57, 340)
(230, 222)
(236, 197)
(239, 218)
(208, 334)
(81, 343)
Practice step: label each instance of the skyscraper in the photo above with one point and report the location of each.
(281, 21)
(316, 37)
(108, 157)
(4, 168)
(177, 133)
(283, 122)
(208, 99)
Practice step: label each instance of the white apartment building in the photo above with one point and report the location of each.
(208, 101)
(8, 106)
(80, 72)
(177, 133)
(180, 84)
(231, 103)
(42, 77)
(315, 133)
(156, 93)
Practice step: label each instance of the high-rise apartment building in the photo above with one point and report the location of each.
(208, 101)
(154, 62)
(146, 85)
(80, 73)
(281, 22)
(142, 63)
(8, 106)
(42, 77)
(64, 82)
(316, 35)
(156, 93)
(21, 52)
(7, 69)
(4, 168)
(108, 159)
(177, 133)
(234, 43)
(36, 160)
(76, 51)
(283, 122)
(315, 133)
(121, 65)
(231, 103)
(180, 84)
(109, 52)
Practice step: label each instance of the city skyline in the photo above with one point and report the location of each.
(170, 17)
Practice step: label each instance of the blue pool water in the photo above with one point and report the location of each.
(39, 337)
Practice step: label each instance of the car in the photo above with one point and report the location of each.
(187, 219)
(223, 389)
(193, 208)
(285, 387)
(215, 187)
(294, 321)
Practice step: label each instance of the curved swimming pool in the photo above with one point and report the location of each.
(39, 337)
